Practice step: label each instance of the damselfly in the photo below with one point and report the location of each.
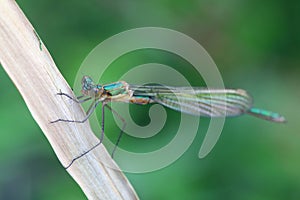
(196, 101)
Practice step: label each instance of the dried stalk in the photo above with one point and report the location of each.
(31, 68)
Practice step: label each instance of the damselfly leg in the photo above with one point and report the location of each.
(88, 114)
(122, 129)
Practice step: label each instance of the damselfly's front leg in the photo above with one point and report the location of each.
(88, 113)
(74, 99)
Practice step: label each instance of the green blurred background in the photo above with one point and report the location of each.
(255, 44)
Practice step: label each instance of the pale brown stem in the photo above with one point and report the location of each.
(31, 68)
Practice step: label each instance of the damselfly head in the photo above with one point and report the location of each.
(87, 81)
(90, 89)
(87, 86)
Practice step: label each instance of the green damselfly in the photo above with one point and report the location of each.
(196, 101)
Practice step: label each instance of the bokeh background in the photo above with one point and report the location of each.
(256, 47)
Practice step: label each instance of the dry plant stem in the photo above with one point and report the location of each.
(31, 68)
